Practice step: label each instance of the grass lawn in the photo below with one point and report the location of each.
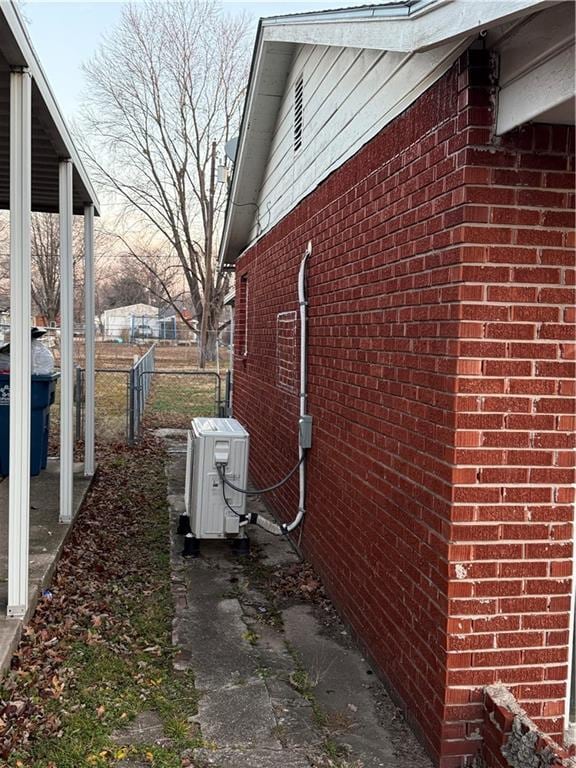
(175, 399)
(98, 651)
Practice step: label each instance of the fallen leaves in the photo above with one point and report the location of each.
(297, 582)
(101, 568)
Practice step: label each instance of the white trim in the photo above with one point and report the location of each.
(89, 341)
(545, 86)
(20, 305)
(395, 29)
(66, 343)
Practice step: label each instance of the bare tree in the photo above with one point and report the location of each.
(45, 255)
(45, 263)
(166, 91)
(131, 283)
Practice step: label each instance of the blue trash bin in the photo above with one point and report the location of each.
(43, 389)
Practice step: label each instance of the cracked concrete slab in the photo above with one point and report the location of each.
(336, 674)
(238, 717)
(246, 658)
(255, 758)
(214, 635)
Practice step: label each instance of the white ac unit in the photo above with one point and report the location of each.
(212, 441)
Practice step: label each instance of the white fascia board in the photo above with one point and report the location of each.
(28, 57)
(270, 69)
(403, 33)
(538, 91)
(240, 157)
(467, 16)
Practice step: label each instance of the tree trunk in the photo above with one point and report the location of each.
(207, 341)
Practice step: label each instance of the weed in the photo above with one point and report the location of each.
(333, 750)
(301, 682)
(250, 636)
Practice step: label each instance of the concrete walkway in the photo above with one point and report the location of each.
(277, 691)
(47, 537)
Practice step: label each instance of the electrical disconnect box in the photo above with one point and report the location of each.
(212, 442)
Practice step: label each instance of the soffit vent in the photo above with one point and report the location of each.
(298, 112)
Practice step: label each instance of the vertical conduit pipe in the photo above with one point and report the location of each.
(303, 304)
(286, 528)
(570, 706)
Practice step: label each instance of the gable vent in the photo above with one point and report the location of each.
(298, 110)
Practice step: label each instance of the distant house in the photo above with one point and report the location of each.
(131, 322)
(426, 150)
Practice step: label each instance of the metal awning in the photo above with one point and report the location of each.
(40, 170)
(51, 139)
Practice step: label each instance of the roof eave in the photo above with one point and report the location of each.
(427, 24)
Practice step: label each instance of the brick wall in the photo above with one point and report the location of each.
(510, 552)
(440, 385)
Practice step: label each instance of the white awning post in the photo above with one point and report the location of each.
(66, 344)
(89, 340)
(20, 309)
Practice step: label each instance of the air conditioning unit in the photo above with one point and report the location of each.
(212, 441)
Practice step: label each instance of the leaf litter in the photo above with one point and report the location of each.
(98, 649)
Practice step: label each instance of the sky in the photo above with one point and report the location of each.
(66, 34)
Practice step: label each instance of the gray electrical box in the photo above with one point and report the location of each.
(305, 427)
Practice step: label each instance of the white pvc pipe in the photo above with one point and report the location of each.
(231, 366)
(569, 719)
(66, 344)
(303, 387)
(89, 340)
(20, 310)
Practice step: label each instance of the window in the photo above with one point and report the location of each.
(298, 112)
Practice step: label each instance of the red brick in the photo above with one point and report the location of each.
(441, 381)
(536, 275)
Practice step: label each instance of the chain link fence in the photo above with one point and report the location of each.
(132, 398)
(111, 395)
(176, 397)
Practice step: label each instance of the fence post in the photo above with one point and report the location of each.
(132, 399)
(79, 399)
(227, 396)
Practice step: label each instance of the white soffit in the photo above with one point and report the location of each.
(536, 69)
